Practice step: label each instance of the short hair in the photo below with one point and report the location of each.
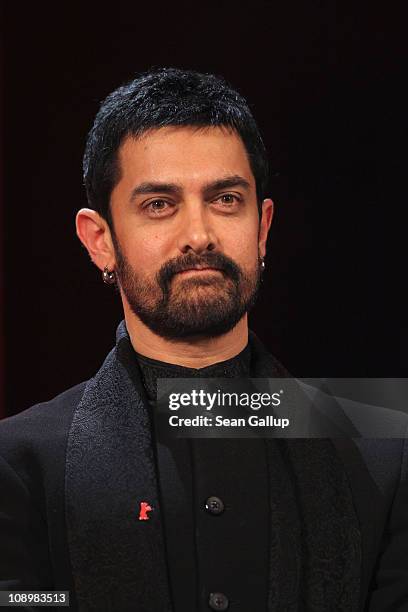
(160, 98)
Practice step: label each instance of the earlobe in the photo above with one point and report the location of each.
(265, 224)
(93, 231)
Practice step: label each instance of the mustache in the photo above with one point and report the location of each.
(219, 261)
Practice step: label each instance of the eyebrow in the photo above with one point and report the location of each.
(227, 182)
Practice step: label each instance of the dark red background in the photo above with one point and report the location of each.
(327, 87)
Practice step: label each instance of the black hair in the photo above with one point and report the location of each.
(159, 98)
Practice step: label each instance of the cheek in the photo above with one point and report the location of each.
(243, 248)
(146, 253)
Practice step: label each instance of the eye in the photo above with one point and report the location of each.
(228, 200)
(157, 207)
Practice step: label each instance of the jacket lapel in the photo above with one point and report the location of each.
(315, 538)
(118, 561)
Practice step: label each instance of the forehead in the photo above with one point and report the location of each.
(184, 155)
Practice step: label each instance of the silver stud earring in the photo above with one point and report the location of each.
(263, 266)
(108, 276)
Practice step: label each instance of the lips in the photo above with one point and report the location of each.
(200, 269)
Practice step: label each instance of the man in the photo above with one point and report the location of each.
(92, 501)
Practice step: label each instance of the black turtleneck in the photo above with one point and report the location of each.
(213, 545)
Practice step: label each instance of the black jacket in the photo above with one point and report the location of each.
(73, 470)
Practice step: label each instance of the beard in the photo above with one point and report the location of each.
(204, 305)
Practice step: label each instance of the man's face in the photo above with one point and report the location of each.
(186, 228)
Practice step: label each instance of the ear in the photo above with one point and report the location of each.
(94, 233)
(265, 224)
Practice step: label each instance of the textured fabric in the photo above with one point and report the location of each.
(34, 526)
(208, 554)
(315, 542)
(330, 532)
(118, 561)
(151, 370)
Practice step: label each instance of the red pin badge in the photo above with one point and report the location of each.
(145, 507)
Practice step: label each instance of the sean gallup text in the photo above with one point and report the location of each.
(220, 421)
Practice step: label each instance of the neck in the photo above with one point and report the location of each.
(191, 353)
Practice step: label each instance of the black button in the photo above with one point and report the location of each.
(214, 505)
(218, 601)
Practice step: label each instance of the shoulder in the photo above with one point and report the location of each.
(46, 423)
(376, 469)
(50, 411)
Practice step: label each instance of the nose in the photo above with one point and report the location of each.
(196, 233)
